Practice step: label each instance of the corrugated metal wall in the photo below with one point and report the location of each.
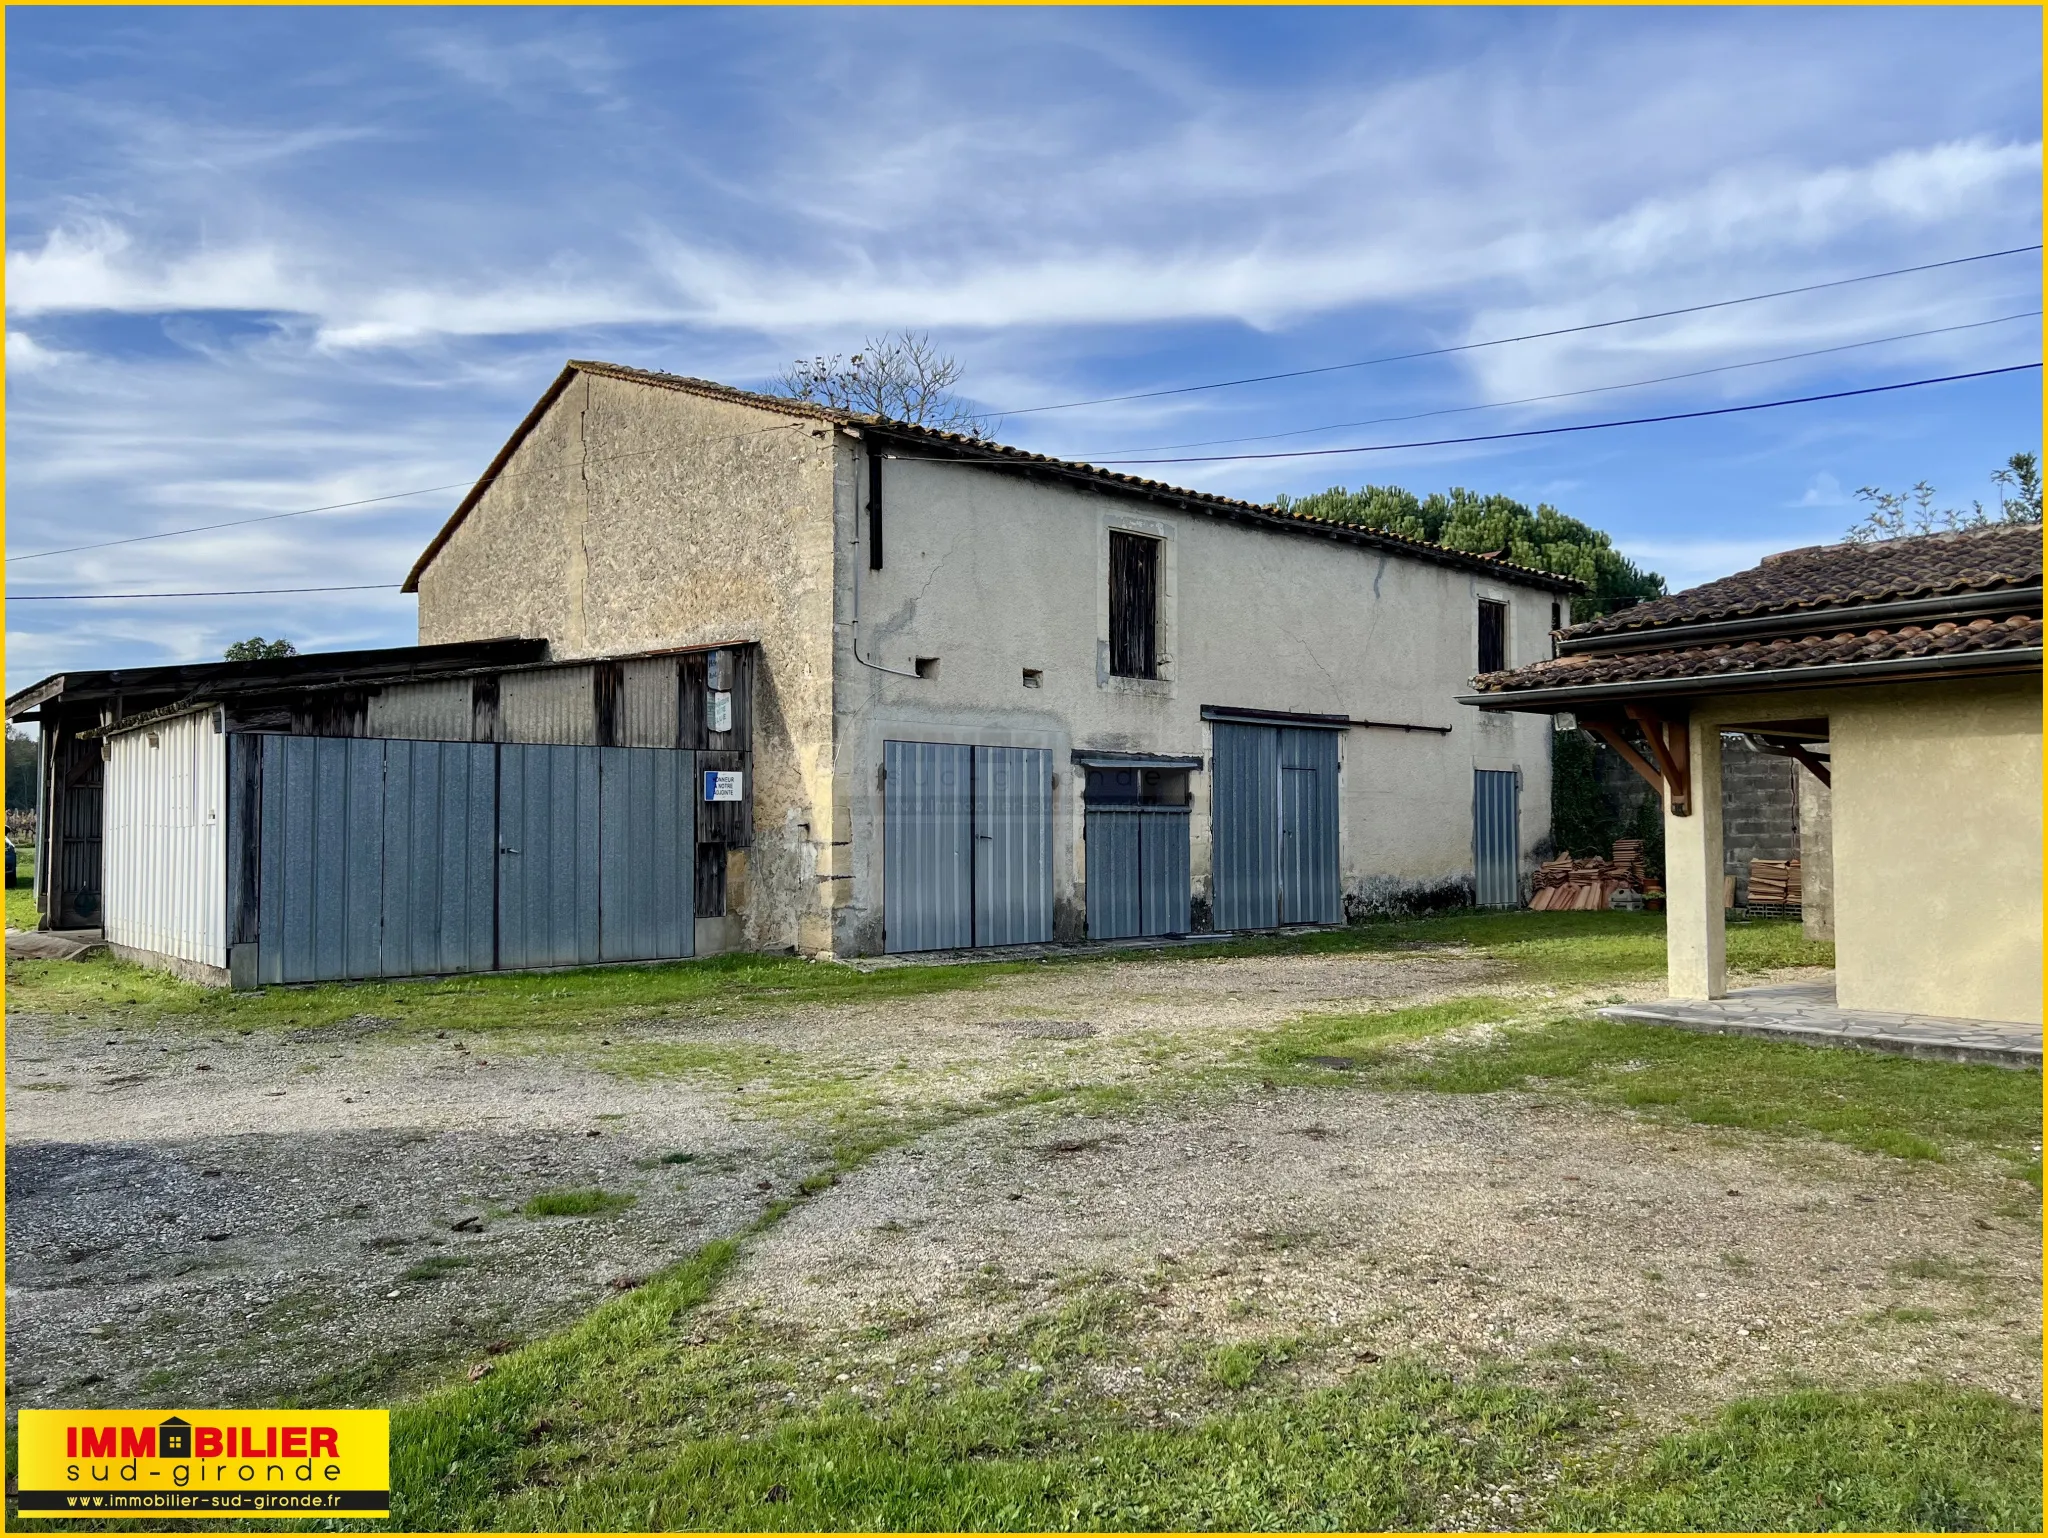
(375, 858)
(1244, 825)
(1012, 846)
(1311, 887)
(927, 846)
(436, 711)
(164, 838)
(647, 703)
(1497, 838)
(404, 858)
(1137, 862)
(549, 705)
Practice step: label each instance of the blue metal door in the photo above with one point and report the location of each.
(374, 858)
(1137, 869)
(1244, 825)
(1012, 846)
(1310, 886)
(440, 824)
(647, 850)
(548, 856)
(1496, 838)
(927, 846)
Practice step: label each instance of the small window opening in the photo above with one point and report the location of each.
(1493, 636)
(1556, 615)
(1147, 787)
(1034, 678)
(927, 667)
(1133, 605)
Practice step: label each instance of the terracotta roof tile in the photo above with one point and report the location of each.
(2018, 633)
(1841, 576)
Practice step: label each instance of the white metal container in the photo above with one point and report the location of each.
(164, 839)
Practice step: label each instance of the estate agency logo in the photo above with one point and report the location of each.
(205, 1463)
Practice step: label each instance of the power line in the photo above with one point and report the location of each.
(395, 496)
(1369, 448)
(1530, 400)
(1529, 336)
(1530, 432)
(238, 592)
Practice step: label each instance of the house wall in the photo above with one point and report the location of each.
(1935, 819)
(633, 518)
(992, 573)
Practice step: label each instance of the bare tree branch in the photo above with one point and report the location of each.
(900, 376)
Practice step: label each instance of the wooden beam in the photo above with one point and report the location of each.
(1610, 734)
(1813, 761)
(1673, 754)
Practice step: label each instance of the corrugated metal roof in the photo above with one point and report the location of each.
(961, 448)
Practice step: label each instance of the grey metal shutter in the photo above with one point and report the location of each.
(1012, 846)
(548, 847)
(1310, 885)
(927, 846)
(1244, 825)
(647, 801)
(1496, 838)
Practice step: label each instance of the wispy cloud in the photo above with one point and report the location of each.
(268, 261)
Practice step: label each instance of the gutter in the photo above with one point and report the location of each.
(1764, 680)
(1657, 638)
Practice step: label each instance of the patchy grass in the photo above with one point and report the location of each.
(1913, 1458)
(577, 1204)
(1906, 1107)
(646, 1415)
(432, 1268)
(637, 1419)
(1566, 948)
(480, 1004)
(21, 901)
(1569, 948)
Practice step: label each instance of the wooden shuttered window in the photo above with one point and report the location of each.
(1493, 636)
(1133, 605)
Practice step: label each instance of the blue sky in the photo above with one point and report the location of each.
(266, 259)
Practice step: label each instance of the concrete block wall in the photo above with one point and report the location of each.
(1759, 805)
(1759, 810)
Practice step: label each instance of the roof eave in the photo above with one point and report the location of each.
(1765, 680)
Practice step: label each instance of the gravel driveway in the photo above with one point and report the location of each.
(333, 1215)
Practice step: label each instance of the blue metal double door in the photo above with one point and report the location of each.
(1274, 826)
(966, 846)
(387, 858)
(1137, 871)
